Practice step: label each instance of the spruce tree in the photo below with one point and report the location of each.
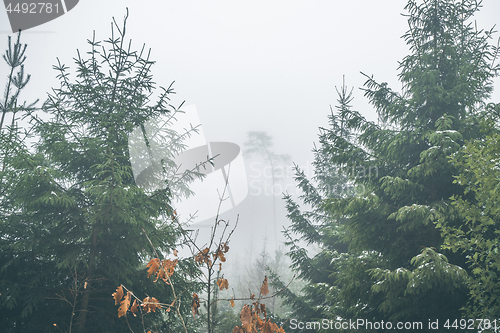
(22, 287)
(77, 222)
(381, 249)
(260, 143)
(312, 224)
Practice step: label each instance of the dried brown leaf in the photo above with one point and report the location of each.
(263, 310)
(150, 304)
(118, 295)
(195, 304)
(246, 318)
(134, 307)
(169, 266)
(264, 289)
(124, 305)
(170, 306)
(154, 266)
(269, 327)
(222, 283)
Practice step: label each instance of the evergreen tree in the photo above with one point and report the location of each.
(315, 227)
(260, 143)
(75, 226)
(380, 249)
(21, 289)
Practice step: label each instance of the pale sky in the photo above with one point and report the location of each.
(260, 65)
(246, 65)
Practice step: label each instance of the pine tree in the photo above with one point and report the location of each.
(77, 199)
(23, 294)
(315, 227)
(381, 255)
(260, 143)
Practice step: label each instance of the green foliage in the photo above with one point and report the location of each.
(319, 296)
(73, 216)
(378, 243)
(432, 272)
(227, 320)
(23, 288)
(478, 238)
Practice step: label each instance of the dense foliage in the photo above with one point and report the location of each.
(73, 218)
(479, 237)
(381, 249)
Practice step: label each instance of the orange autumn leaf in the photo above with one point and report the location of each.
(280, 330)
(195, 304)
(170, 306)
(203, 257)
(222, 283)
(166, 270)
(150, 304)
(231, 302)
(219, 254)
(246, 318)
(154, 266)
(175, 252)
(256, 307)
(169, 266)
(264, 289)
(124, 305)
(134, 307)
(118, 295)
(161, 275)
(258, 322)
(269, 327)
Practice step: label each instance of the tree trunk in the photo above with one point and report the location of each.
(82, 317)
